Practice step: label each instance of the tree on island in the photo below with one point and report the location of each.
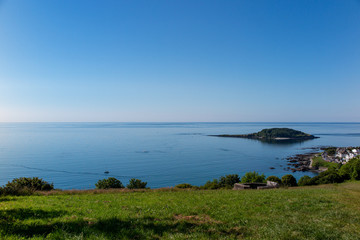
(273, 134)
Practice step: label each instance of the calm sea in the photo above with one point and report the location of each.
(75, 155)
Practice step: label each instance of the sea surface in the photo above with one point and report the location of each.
(76, 155)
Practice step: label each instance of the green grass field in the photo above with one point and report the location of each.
(318, 212)
(318, 161)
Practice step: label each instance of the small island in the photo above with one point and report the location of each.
(273, 134)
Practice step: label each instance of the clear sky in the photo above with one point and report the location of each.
(180, 60)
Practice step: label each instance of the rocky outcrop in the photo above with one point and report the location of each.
(244, 186)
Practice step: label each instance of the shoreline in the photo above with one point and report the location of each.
(303, 162)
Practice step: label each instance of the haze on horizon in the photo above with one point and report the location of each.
(187, 60)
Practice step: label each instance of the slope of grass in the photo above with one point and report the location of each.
(320, 212)
(318, 161)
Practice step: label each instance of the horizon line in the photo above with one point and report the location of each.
(175, 122)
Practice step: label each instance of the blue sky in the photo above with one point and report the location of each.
(188, 60)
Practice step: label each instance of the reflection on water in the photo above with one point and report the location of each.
(284, 141)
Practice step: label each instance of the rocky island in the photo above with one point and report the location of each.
(271, 134)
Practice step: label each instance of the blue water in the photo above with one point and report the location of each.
(75, 155)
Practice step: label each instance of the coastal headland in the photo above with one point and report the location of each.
(321, 158)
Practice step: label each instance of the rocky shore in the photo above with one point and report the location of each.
(302, 162)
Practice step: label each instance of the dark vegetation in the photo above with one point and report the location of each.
(273, 134)
(25, 186)
(288, 181)
(253, 177)
(226, 182)
(330, 151)
(184, 185)
(335, 174)
(304, 181)
(111, 182)
(351, 170)
(136, 184)
(274, 179)
(282, 133)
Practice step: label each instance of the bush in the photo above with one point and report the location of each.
(329, 176)
(350, 170)
(136, 184)
(288, 180)
(274, 179)
(228, 181)
(251, 177)
(355, 175)
(184, 185)
(305, 181)
(111, 182)
(355, 167)
(330, 151)
(26, 186)
(214, 184)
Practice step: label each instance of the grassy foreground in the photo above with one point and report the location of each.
(319, 212)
